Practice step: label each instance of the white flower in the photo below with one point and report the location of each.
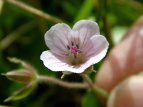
(75, 49)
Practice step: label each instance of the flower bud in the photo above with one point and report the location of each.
(21, 76)
(27, 76)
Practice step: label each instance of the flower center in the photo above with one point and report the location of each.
(74, 50)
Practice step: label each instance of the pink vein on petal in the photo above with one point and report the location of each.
(84, 38)
(78, 38)
(62, 42)
(75, 39)
(88, 49)
(89, 55)
(60, 57)
(67, 38)
(93, 52)
(59, 48)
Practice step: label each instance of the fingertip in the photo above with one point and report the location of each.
(128, 93)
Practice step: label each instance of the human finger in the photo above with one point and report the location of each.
(128, 93)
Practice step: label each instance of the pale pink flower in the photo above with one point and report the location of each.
(76, 49)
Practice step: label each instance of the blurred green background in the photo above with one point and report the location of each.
(22, 36)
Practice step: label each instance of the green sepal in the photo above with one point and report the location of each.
(89, 70)
(65, 73)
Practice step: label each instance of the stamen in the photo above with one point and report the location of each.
(73, 50)
(67, 54)
(68, 47)
(72, 43)
(77, 45)
(78, 50)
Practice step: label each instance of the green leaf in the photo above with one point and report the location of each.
(4, 106)
(85, 10)
(1, 5)
(90, 100)
(22, 93)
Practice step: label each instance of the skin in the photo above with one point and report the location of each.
(123, 61)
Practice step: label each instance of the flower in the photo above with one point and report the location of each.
(74, 50)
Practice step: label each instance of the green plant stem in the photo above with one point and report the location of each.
(96, 89)
(34, 11)
(85, 9)
(62, 83)
(40, 21)
(10, 38)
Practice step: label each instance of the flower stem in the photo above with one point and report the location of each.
(95, 88)
(63, 83)
(34, 11)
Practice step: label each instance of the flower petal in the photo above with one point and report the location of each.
(55, 64)
(96, 49)
(51, 61)
(57, 38)
(85, 29)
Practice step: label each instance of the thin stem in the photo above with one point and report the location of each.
(10, 38)
(63, 83)
(40, 21)
(95, 88)
(34, 11)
